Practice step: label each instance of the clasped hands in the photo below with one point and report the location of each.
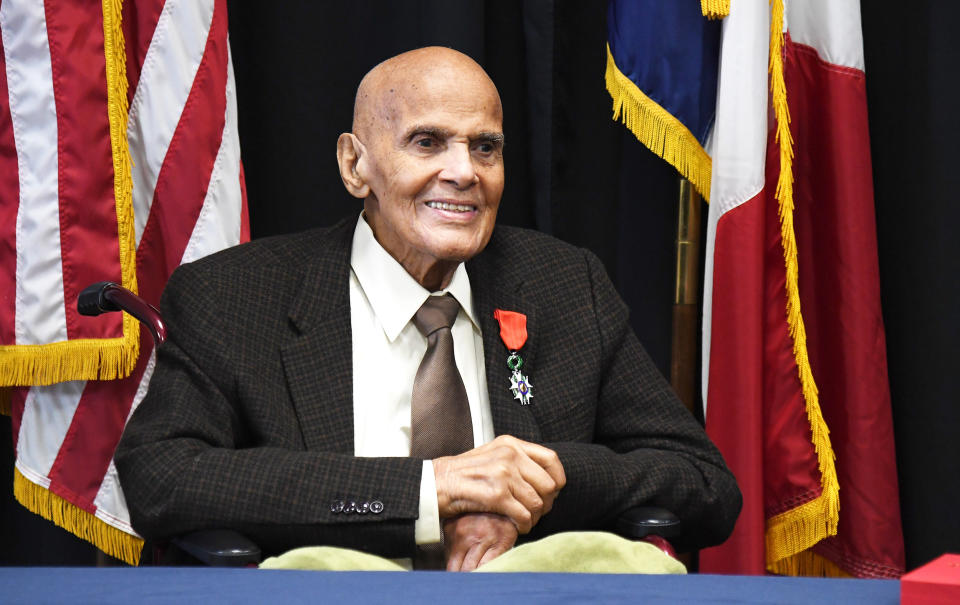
(491, 494)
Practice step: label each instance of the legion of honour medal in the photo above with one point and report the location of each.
(513, 332)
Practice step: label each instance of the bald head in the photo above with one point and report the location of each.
(426, 158)
(416, 77)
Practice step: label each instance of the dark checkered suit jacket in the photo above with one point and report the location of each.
(248, 422)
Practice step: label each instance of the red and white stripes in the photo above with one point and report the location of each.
(64, 165)
(764, 416)
(188, 201)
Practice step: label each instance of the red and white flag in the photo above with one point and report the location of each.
(93, 191)
(793, 333)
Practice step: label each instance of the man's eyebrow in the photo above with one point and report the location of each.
(495, 138)
(437, 132)
(432, 131)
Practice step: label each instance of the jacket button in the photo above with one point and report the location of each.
(364, 508)
(376, 507)
(351, 507)
(336, 506)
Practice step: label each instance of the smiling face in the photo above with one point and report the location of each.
(429, 147)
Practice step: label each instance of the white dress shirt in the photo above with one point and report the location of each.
(387, 350)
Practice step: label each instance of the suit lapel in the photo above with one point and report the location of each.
(497, 288)
(318, 359)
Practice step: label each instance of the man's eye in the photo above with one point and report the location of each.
(425, 142)
(487, 148)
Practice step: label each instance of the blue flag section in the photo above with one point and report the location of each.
(662, 59)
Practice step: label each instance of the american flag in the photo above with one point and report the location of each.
(119, 160)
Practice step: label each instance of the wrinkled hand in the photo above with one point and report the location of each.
(507, 476)
(475, 538)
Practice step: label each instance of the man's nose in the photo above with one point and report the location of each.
(458, 167)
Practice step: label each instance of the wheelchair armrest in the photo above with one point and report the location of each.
(105, 297)
(642, 521)
(219, 548)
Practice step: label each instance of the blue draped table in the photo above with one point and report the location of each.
(203, 585)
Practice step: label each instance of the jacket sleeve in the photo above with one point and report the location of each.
(196, 454)
(647, 449)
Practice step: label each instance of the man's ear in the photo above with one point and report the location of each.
(351, 155)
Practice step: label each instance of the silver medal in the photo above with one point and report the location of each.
(520, 387)
(519, 383)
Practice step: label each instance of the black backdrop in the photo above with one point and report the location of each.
(572, 172)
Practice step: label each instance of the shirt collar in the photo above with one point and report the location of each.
(393, 294)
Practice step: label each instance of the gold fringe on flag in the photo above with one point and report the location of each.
(116, 60)
(82, 359)
(107, 358)
(809, 563)
(715, 9)
(791, 533)
(109, 539)
(656, 128)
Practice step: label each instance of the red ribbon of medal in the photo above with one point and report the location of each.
(513, 328)
(513, 333)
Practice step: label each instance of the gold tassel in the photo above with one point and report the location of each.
(715, 9)
(118, 106)
(656, 128)
(109, 539)
(82, 359)
(107, 358)
(794, 531)
(808, 563)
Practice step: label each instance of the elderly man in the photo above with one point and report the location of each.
(369, 384)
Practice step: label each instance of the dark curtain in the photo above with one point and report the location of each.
(912, 90)
(571, 171)
(297, 69)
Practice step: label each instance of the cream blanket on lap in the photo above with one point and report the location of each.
(576, 552)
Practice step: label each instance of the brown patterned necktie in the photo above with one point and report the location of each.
(439, 412)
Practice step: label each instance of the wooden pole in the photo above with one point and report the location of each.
(683, 361)
(686, 298)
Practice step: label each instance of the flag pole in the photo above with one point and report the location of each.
(683, 357)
